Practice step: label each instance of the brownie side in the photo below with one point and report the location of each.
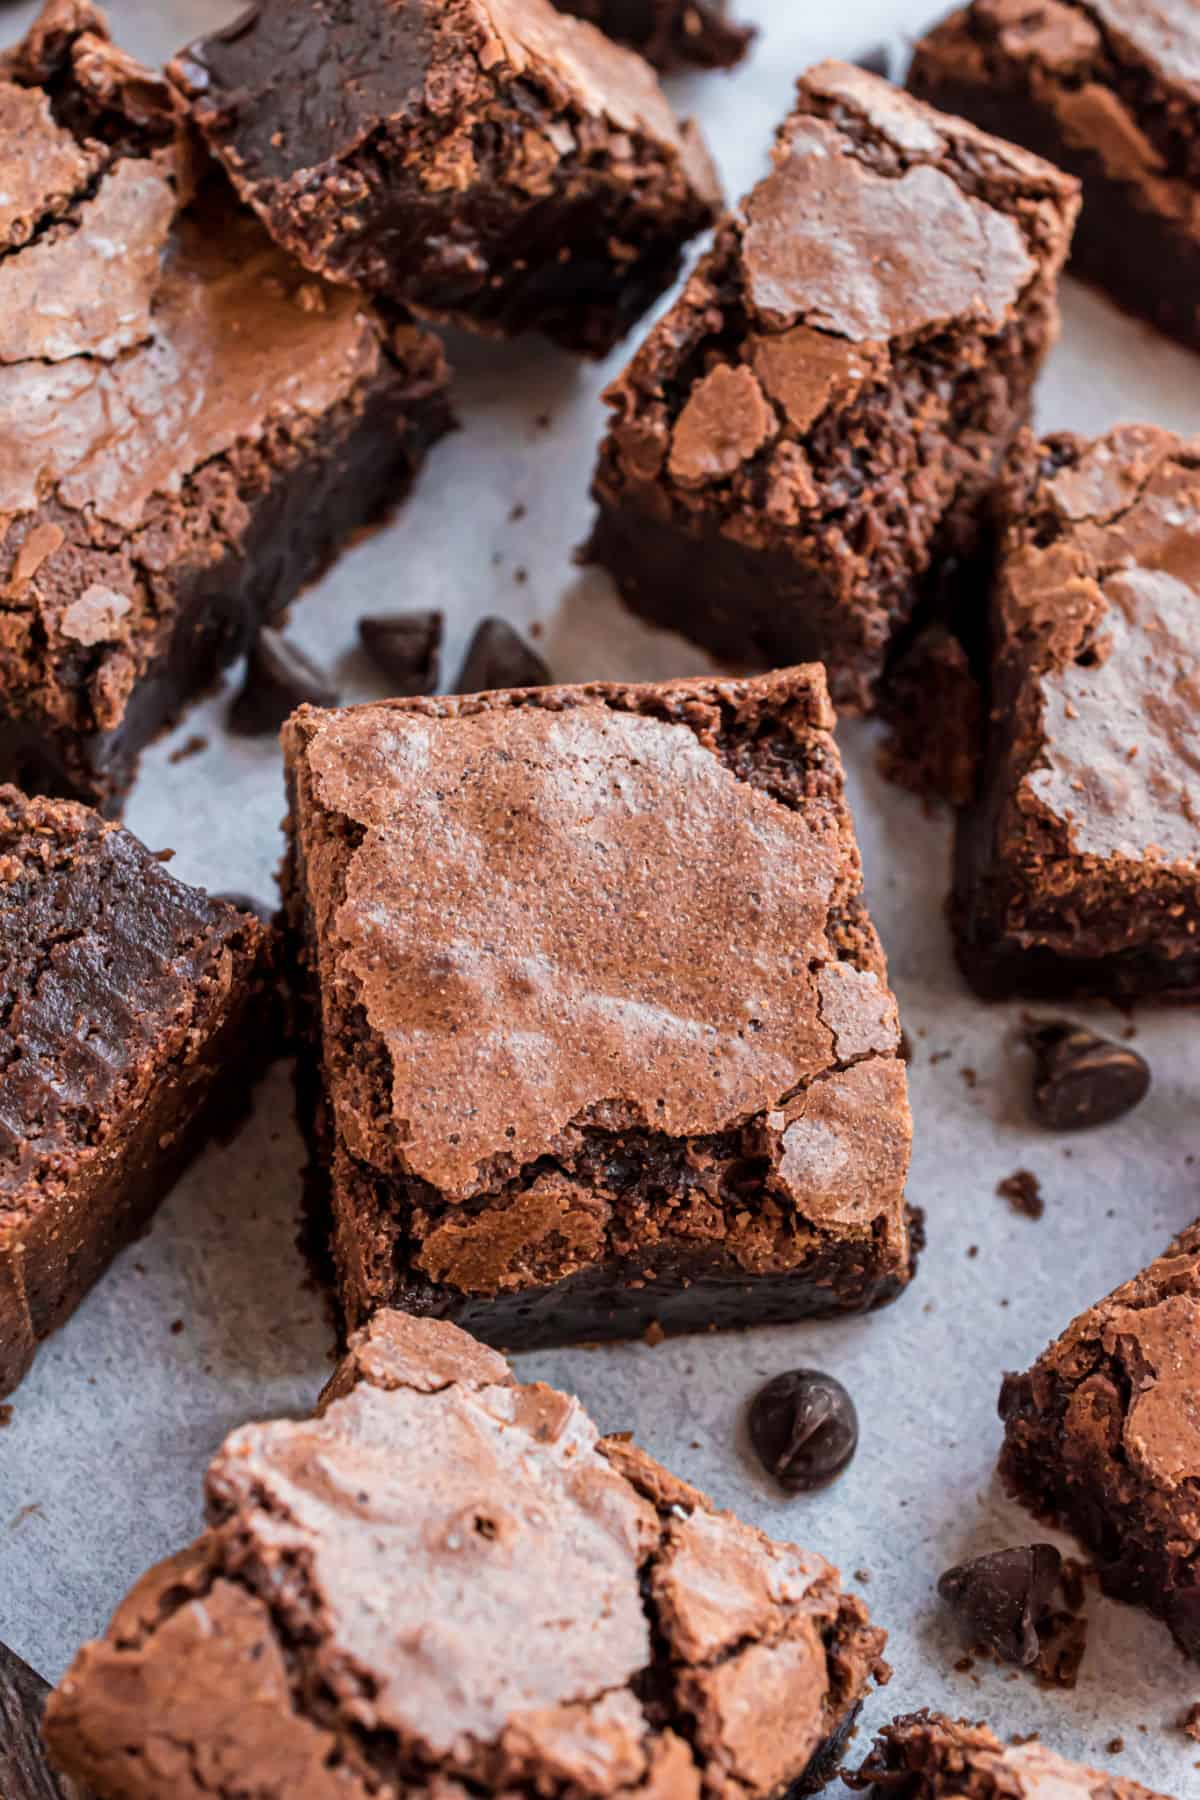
(606, 1223)
(1109, 95)
(1077, 860)
(133, 1008)
(671, 34)
(926, 1756)
(490, 162)
(476, 1594)
(806, 440)
(1100, 1437)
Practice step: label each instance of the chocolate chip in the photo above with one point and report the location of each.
(876, 61)
(405, 646)
(279, 678)
(999, 1598)
(804, 1428)
(1080, 1079)
(249, 904)
(499, 658)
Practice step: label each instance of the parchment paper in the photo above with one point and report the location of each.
(208, 1321)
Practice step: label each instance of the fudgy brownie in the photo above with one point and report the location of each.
(599, 1031)
(1078, 859)
(1101, 1437)
(189, 424)
(1109, 89)
(129, 1004)
(492, 162)
(927, 1756)
(670, 33)
(807, 437)
(447, 1584)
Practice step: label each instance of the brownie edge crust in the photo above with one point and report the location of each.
(598, 1032)
(448, 1584)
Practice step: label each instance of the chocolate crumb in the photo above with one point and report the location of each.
(406, 647)
(190, 747)
(1023, 1192)
(279, 678)
(499, 658)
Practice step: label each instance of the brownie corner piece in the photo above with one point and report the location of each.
(1100, 1437)
(599, 1029)
(1078, 858)
(131, 1006)
(1109, 92)
(807, 439)
(927, 1756)
(672, 34)
(525, 1605)
(495, 163)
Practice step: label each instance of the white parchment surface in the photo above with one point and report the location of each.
(208, 1321)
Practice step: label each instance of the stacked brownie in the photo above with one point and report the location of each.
(670, 33)
(447, 1583)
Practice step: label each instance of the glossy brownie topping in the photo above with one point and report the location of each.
(529, 990)
(929, 1757)
(448, 1575)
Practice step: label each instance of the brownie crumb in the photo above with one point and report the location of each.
(972, 1251)
(191, 746)
(518, 512)
(1189, 1723)
(1115, 1746)
(862, 1576)
(970, 1077)
(964, 1665)
(905, 1051)
(654, 1334)
(6, 1416)
(1023, 1191)
(176, 1327)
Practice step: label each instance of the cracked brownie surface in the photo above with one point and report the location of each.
(806, 440)
(599, 1031)
(1109, 90)
(926, 1756)
(1101, 1437)
(128, 1003)
(1078, 861)
(189, 425)
(670, 33)
(492, 162)
(448, 1583)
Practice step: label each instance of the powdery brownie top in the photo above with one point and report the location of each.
(1098, 632)
(501, 888)
(448, 1577)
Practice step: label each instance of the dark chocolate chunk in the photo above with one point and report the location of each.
(405, 646)
(279, 678)
(1081, 1079)
(1023, 1191)
(24, 1772)
(999, 1598)
(804, 1426)
(498, 657)
(876, 61)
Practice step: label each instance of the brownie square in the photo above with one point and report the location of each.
(1078, 859)
(599, 1031)
(1101, 1437)
(671, 34)
(808, 435)
(926, 1756)
(491, 162)
(447, 1583)
(1110, 90)
(131, 1005)
(189, 424)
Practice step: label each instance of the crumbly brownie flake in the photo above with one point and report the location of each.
(926, 1756)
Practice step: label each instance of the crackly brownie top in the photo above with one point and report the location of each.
(929, 1757)
(1122, 1389)
(1098, 611)
(290, 86)
(106, 963)
(449, 1576)
(566, 907)
(883, 224)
